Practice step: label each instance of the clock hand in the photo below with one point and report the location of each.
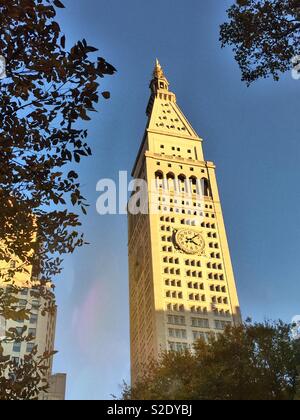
(191, 239)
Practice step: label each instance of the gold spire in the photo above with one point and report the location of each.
(159, 85)
(158, 71)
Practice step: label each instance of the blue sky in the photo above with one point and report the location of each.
(252, 134)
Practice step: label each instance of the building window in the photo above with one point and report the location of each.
(17, 347)
(200, 323)
(197, 335)
(33, 318)
(15, 360)
(176, 320)
(22, 302)
(24, 292)
(29, 347)
(199, 310)
(178, 346)
(35, 304)
(221, 325)
(171, 332)
(175, 333)
(32, 332)
(19, 330)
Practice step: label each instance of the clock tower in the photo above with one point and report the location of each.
(181, 280)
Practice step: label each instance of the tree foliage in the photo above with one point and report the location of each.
(46, 100)
(247, 362)
(265, 36)
(27, 380)
(48, 91)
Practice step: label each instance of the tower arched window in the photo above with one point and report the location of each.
(171, 180)
(206, 187)
(193, 180)
(193, 184)
(182, 182)
(159, 177)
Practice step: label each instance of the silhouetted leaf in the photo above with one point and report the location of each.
(63, 41)
(106, 95)
(58, 3)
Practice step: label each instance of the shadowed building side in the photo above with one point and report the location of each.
(181, 280)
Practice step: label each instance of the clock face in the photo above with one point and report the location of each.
(190, 241)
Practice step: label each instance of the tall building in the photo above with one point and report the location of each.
(40, 326)
(182, 284)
